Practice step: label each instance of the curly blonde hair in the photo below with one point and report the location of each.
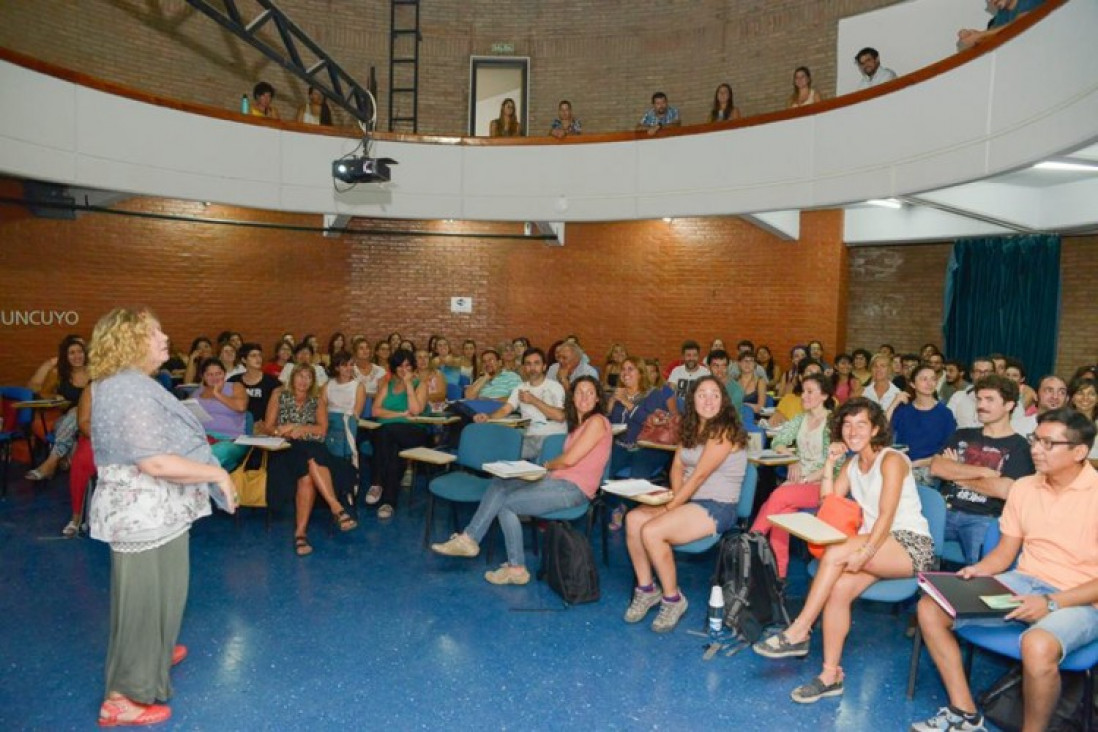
(120, 341)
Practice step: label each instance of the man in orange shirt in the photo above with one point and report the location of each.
(1053, 516)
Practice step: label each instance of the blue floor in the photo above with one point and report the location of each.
(372, 631)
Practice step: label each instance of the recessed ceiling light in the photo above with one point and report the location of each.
(885, 202)
(1065, 165)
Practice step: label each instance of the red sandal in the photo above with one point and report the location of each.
(179, 653)
(113, 709)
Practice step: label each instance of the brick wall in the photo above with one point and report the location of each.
(897, 295)
(606, 57)
(646, 284)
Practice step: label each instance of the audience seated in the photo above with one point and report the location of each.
(304, 354)
(1083, 398)
(573, 479)
(803, 93)
(337, 343)
(881, 390)
(630, 404)
(263, 105)
(258, 385)
(316, 110)
(538, 399)
(446, 362)
(844, 384)
(808, 435)
(1048, 528)
(953, 380)
(435, 381)
(1006, 12)
(922, 423)
(979, 466)
(283, 354)
(66, 376)
(611, 370)
(869, 63)
(963, 402)
(718, 366)
(367, 371)
(707, 473)
(724, 107)
(565, 124)
(494, 383)
(400, 396)
(571, 364)
(789, 406)
(468, 362)
(771, 371)
(791, 377)
(345, 397)
(860, 358)
(298, 412)
(227, 403)
(659, 116)
(507, 124)
(894, 541)
(691, 369)
(752, 385)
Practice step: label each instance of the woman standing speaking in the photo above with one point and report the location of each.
(156, 476)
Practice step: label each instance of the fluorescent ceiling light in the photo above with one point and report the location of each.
(885, 202)
(1064, 165)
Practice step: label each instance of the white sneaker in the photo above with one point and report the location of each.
(373, 495)
(459, 545)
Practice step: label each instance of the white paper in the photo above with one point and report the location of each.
(512, 468)
(198, 410)
(631, 487)
(271, 443)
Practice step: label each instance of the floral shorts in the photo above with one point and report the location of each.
(919, 547)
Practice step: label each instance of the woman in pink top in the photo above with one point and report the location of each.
(573, 479)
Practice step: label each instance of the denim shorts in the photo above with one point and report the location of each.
(723, 514)
(1073, 627)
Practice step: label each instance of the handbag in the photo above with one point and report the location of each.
(843, 513)
(251, 485)
(662, 428)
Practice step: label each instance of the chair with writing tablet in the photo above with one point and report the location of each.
(743, 514)
(479, 444)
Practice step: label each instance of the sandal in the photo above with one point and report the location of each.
(301, 546)
(71, 530)
(345, 522)
(815, 690)
(373, 495)
(112, 711)
(179, 653)
(385, 512)
(36, 476)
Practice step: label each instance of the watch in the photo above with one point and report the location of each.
(1053, 606)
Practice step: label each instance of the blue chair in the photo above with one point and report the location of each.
(480, 443)
(747, 416)
(593, 510)
(953, 554)
(482, 406)
(454, 392)
(17, 425)
(896, 591)
(743, 514)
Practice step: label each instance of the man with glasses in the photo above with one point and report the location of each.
(1048, 527)
(963, 403)
(980, 464)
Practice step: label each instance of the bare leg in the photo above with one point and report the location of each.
(836, 621)
(680, 526)
(1041, 654)
(322, 480)
(634, 522)
(937, 628)
(306, 497)
(49, 466)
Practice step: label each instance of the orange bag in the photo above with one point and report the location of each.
(843, 513)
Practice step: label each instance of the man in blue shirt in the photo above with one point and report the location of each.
(1006, 12)
(659, 116)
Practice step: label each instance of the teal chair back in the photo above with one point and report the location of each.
(486, 443)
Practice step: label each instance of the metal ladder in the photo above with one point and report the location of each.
(404, 40)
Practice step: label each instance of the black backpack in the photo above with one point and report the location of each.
(748, 575)
(1002, 703)
(568, 564)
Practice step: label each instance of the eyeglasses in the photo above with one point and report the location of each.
(1047, 444)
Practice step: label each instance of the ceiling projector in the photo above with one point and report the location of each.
(362, 170)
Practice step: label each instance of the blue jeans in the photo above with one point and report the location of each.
(968, 529)
(508, 498)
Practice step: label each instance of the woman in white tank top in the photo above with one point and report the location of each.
(346, 397)
(894, 540)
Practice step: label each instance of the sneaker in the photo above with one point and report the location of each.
(777, 646)
(670, 614)
(815, 690)
(373, 495)
(949, 718)
(459, 545)
(385, 512)
(642, 603)
(508, 575)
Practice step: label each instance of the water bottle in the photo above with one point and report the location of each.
(716, 611)
(245, 106)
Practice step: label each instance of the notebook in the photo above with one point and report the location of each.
(979, 597)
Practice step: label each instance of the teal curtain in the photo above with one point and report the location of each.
(1003, 296)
